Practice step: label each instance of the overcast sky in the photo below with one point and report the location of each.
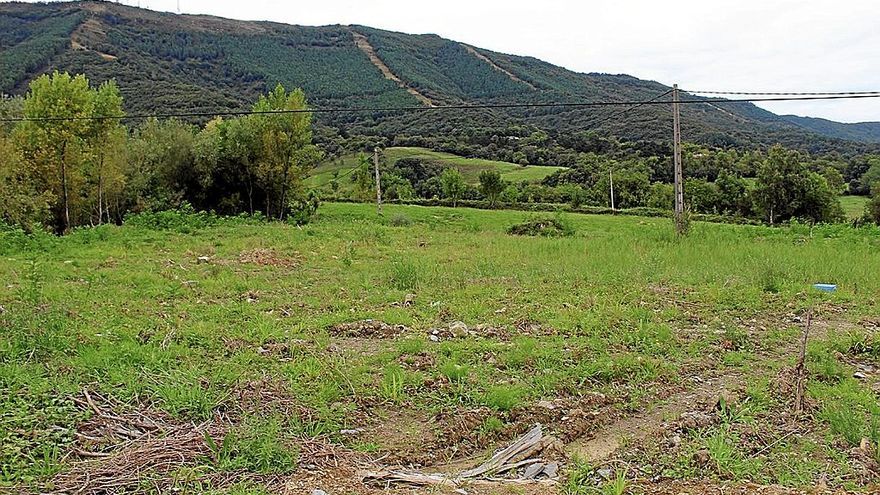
(747, 45)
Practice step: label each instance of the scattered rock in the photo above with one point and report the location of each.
(674, 441)
(203, 259)
(858, 375)
(318, 491)
(409, 300)
(458, 329)
(694, 420)
(702, 458)
(605, 473)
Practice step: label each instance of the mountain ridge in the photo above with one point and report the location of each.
(168, 62)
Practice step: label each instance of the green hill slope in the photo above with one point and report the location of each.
(341, 168)
(174, 63)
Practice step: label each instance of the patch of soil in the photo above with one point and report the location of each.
(605, 442)
(374, 329)
(267, 257)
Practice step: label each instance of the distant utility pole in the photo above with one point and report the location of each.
(679, 176)
(378, 180)
(611, 179)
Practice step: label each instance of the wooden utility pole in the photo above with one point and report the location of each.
(378, 180)
(611, 180)
(679, 176)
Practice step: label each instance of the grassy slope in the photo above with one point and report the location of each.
(130, 312)
(854, 206)
(469, 167)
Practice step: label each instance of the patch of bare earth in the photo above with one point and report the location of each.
(605, 442)
(373, 329)
(268, 257)
(364, 45)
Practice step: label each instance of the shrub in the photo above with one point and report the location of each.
(184, 219)
(303, 208)
(545, 227)
(401, 220)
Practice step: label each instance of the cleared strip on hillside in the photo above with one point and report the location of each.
(364, 45)
(473, 51)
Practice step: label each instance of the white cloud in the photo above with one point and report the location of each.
(758, 45)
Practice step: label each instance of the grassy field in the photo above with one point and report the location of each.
(232, 356)
(469, 167)
(854, 206)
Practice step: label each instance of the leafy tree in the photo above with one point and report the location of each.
(55, 145)
(240, 145)
(491, 185)
(21, 203)
(661, 196)
(733, 195)
(871, 179)
(453, 185)
(161, 171)
(872, 209)
(701, 195)
(107, 139)
(787, 189)
(630, 188)
(286, 149)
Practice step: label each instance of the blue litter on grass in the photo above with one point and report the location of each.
(826, 287)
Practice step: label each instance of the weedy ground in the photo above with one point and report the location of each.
(199, 354)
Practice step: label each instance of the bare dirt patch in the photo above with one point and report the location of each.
(373, 329)
(605, 442)
(267, 257)
(364, 45)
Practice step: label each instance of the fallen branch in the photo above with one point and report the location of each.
(518, 458)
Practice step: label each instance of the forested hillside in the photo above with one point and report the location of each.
(173, 63)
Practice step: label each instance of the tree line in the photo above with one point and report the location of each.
(773, 186)
(72, 162)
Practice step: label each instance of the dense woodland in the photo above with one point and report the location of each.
(60, 173)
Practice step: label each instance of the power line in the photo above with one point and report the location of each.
(753, 93)
(627, 110)
(474, 106)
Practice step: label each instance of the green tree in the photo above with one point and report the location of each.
(871, 178)
(54, 143)
(872, 209)
(786, 189)
(107, 142)
(660, 196)
(733, 195)
(491, 185)
(21, 203)
(286, 150)
(241, 146)
(453, 185)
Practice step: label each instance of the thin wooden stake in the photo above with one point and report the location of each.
(800, 369)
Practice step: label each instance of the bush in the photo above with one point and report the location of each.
(401, 220)
(544, 227)
(185, 219)
(303, 208)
